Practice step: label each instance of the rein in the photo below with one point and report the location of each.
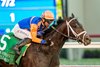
(62, 33)
(74, 33)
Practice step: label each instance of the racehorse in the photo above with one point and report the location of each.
(48, 56)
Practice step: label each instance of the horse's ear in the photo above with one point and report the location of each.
(73, 15)
(60, 19)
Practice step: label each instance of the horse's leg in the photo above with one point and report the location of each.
(55, 61)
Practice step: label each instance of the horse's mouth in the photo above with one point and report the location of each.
(87, 42)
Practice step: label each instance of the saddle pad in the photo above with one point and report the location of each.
(7, 42)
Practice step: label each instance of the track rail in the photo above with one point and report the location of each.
(77, 45)
(79, 65)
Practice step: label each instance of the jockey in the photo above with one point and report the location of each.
(30, 28)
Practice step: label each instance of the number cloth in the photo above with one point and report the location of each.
(7, 42)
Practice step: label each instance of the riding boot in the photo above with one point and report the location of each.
(20, 44)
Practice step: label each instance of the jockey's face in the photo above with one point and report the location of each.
(46, 24)
(48, 21)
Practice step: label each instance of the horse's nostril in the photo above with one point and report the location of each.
(87, 39)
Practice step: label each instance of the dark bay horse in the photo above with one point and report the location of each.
(48, 56)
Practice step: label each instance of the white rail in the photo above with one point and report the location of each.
(77, 45)
(79, 65)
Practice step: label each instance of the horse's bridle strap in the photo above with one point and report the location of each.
(74, 33)
(62, 33)
(70, 28)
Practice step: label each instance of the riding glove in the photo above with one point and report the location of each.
(43, 42)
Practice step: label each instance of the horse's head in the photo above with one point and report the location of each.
(76, 31)
(70, 28)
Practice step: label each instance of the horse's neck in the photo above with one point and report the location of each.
(57, 38)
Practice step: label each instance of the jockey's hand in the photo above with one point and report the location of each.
(40, 33)
(44, 42)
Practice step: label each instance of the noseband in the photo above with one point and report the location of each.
(77, 36)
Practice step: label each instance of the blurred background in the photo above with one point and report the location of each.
(86, 11)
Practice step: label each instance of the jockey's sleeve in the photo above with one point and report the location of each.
(33, 31)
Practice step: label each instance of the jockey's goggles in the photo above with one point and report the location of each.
(49, 20)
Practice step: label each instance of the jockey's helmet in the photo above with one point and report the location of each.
(48, 15)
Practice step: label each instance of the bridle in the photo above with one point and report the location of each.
(77, 36)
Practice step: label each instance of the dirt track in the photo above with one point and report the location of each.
(79, 65)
